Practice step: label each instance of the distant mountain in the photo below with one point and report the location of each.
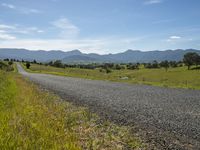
(75, 56)
(79, 59)
(133, 56)
(148, 56)
(39, 55)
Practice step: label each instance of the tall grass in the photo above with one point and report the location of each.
(34, 119)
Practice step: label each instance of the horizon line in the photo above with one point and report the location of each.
(98, 53)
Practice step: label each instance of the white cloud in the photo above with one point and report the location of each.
(174, 37)
(22, 10)
(29, 11)
(149, 2)
(49, 44)
(90, 45)
(17, 29)
(4, 26)
(67, 28)
(5, 36)
(2, 31)
(28, 30)
(8, 5)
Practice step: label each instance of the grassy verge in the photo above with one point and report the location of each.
(178, 77)
(34, 119)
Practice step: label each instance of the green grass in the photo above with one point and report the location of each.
(6, 67)
(34, 119)
(175, 77)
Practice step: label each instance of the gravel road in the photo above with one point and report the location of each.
(167, 118)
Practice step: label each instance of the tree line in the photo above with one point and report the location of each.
(189, 60)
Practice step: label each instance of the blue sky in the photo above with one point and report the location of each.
(100, 26)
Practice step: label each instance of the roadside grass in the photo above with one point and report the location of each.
(4, 65)
(31, 118)
(178, 77)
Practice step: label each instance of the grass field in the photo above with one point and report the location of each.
(178, 77)
(35, 119)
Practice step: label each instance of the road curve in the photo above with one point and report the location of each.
(167, 118)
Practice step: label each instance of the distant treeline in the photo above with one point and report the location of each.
(188, 60)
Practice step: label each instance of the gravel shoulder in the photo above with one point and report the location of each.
(167, 118)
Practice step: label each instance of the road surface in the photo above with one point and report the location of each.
(167, 118)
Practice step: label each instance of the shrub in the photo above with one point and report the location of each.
(28, 65)
(5, 67)
(108, 70)
(154, 64)
(10, 63)
(133, 66)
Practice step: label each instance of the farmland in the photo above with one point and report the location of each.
(179, 77)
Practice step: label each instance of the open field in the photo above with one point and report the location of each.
(178, 77)
(35, 119)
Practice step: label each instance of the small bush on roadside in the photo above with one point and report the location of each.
(10, 63)
(28, 65)
(6, 67)
(108, 70)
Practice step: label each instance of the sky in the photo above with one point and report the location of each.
(100, 26)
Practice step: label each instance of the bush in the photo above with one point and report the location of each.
(154, 64)
(108, 70)
(10, 63)
(2, 65)
(28, 65)
(57, 63)
(118, 67)
(5, 67)
(133, 66)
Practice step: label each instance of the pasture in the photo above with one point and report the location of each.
(178, 77)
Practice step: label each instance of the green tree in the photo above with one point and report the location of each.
(173, 64)
(7, 59)
(197, 60)
(190, 59)
(118, 67)
(155, 64)
(165, 64)
(10, 63)
(28, 65)
(34, 61)
(58, 63)
(108, 70)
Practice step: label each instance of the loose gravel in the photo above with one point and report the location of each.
(165, 117)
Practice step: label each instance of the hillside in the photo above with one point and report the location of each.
(75, 56)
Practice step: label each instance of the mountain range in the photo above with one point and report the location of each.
(75, 56)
